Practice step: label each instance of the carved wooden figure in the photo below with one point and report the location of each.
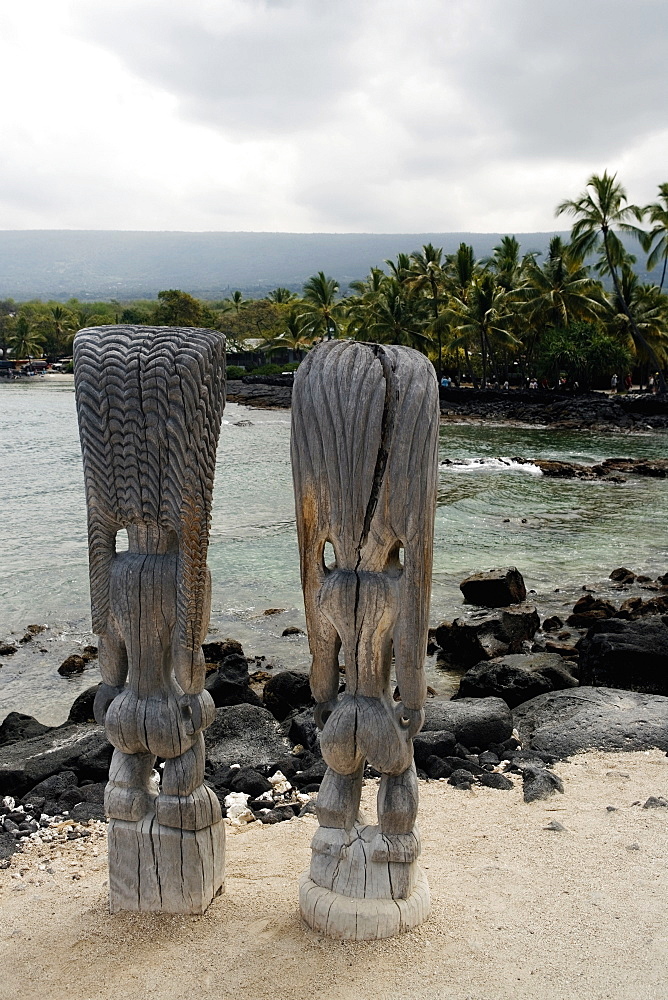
(364, 455)
(150, 402)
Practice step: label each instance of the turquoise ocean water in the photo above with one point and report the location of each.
(561, 534)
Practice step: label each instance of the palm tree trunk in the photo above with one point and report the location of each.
(483, 353)
(636, 332)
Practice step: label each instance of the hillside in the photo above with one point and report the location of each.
(92, 264)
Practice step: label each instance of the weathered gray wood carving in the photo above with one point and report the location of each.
(364, 456)
(150, 402)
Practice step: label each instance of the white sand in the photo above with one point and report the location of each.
(517, 911)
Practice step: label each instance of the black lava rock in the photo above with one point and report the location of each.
(247, 779)
(69, 798)
(473, 721)
(83, 812)
(82, 707)
(312, 776)
(497, 588)
(438, 742)
(74, 664)
(215, 652)
(587, 718)
(632, 655)
(20, 727)
(437, 768)
(244, 734)
(230, 683)
(482, 635)
(496, 780)
(300, 728)
(655, 802)
(517, 677)
(461, 779)
(539, 783)
(81, 748)
(279, 814)
(285, 691)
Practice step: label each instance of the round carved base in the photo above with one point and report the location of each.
(351, 919)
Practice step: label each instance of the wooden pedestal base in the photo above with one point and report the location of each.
(362, 885)
(352, 919)
(156, 868)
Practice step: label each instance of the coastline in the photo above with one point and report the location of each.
(599, 411)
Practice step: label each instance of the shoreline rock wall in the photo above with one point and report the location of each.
(599, 410)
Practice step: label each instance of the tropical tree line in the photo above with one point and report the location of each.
(578, 311)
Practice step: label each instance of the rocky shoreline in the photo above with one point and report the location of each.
(532, 692)
(598, 411)
(611, 470)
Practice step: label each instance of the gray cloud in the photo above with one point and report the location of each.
(347, 115)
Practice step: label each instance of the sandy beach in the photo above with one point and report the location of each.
(518, 911)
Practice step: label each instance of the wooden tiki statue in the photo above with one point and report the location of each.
(150, 402)
(364, 456)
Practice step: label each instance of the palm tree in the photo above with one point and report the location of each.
(655, 242)
(598, 212)
(426, 277)
(507, 265)
(322, 311)
(24, 340)
(294, 335)
(359, 307)
(282, 295)
(649, 308)
(484, 317)
(460, 270)
(235, 301)
(559, 292)
(401, 268)
(393, 318)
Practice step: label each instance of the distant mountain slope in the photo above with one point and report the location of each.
(106, 264)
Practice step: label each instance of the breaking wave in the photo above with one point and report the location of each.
(490, 465)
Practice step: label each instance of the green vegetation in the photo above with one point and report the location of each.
(579, 312)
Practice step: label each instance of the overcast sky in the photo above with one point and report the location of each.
(325, 115)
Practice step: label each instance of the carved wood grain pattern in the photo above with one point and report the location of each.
(343, 399)
(150, 402)
(364, 454)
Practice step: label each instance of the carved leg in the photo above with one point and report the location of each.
(185, 801)
(337, 808)
(398, 839)
(129, 794)
(166, 851)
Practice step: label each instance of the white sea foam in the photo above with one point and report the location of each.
(491, 465)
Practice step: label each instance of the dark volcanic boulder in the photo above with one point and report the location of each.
(247, 779)
(74, 664)
(516, 677)
(475, 722)
(437, 743)
(496, 588)
(632, 655)
(300, 728)
(82, 707)
(246, 735)
(83, 749)
(20, 727)
(230, 683)
(588, 718)
(216, 651)
(483, 635)
(539, 783)
(590, 609)
(286, 691)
